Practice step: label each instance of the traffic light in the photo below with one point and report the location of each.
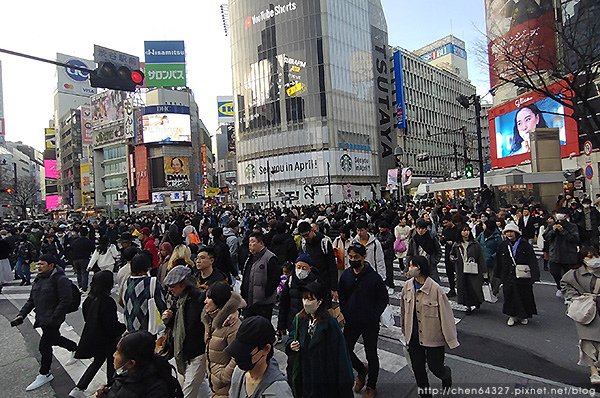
(108, 75)
(469, 172)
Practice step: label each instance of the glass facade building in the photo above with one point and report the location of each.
(310, 109)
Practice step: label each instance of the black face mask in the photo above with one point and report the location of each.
(245, 363)
(356, 264)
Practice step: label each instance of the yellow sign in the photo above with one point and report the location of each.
(226, 109)
(212, 192)
(50, 138)
(295, 89)
(295, 69)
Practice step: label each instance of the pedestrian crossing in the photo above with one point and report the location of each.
(391, 357)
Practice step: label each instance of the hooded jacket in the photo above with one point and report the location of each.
(290, 301)
(219, 364)
(375, 255)
(273, 384)
(51, 296)
(563, 244)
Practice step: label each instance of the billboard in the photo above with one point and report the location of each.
(142, 178)
(50, 137)
(50, 168)
(167, 123)
(225, 110)
(177, 171)
(446, 49)
(165, 63)
(399, 79)
(176, 196)
(52, 202)
(524, 29)
(511, 125)
(86, 126)
(74, 81)
(108, 107)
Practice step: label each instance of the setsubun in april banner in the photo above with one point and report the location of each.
(177, 171)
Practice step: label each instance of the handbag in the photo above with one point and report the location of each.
(469, 264)
(387, 317)
(400, 245)
(582, 309)
(164, 345)
(155, 322)
(336, 313)
(522, 271)
(488, 295)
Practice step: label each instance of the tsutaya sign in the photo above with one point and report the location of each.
(295, 166)
(270, 13)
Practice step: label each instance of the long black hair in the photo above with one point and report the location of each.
(102, 283)
(103, 244)
(517, 140)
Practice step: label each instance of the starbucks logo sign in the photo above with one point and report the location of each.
(250, 172)
(346, 163)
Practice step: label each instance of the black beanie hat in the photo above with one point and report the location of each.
(220, 293)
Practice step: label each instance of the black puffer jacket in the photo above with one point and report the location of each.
(363, 297)
(145, 384)
(51, 296)
(290, 301)
(284, 247)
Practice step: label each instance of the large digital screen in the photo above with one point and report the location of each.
(50, 168)
(167, 127)
(511, 125)
(177, 171)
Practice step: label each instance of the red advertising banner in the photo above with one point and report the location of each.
(141, 173)
(86, 126)
(522, 34)
(511, 124)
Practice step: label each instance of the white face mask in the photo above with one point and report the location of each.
(301, 273)
(121, 371)
(593, 262)
(586, 205)
(310, 306)
(561, 217)
(413, 272)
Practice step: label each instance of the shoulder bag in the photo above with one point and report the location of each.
(582, 308)
(470, 266)
(155, 323)
(522, 271)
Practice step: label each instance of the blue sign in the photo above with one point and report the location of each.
(589, 172)
(152, 110)
(76, 74)
(398, 76)
(443, 51)
(225, 109)
(164, 52)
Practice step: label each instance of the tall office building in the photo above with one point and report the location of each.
(313, 99)
(447, 53)
(2, 131)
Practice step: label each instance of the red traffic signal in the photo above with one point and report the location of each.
(108, 75)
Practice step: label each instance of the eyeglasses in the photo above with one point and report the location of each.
(305, 235)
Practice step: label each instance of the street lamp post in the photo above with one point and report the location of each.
(466, 102)
(329, 183)
(126, 183)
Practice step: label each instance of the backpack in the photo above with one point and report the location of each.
(25, 251)
(194, 239)
(76, 297)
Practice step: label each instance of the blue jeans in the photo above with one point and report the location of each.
(22, 270)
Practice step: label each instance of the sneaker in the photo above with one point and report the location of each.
(559, 294)
(369, 393)
(595, 379)
(77, 393)
(391, 291)
(360, 381)
(451, 293)
(524, 321)
(511, 321)
(39, 381)
(71, 360)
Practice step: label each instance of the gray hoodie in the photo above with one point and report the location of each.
(273, 384)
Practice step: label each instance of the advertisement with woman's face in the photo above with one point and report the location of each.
(512, 124)
(513, 129)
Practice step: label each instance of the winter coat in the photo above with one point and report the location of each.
(193, 344)
(579, 219)
(233, 242)
(528, 230)
(563, 245)
(518, 293)
(387, 245)
(223, 259)
(322, 367)
(102, 329)
(219, 364)
(150, 245)
(290, 301)
(54, 248)
(436, 326)
(468, 286)
(81, 249)
(322, 254)
(490, 247)
(145, 383)
(112, 234)
(51, 296)
(106, 261)
(284, 247)
(375, 255)
(363, 297)
(574, 283)
(433, 258)
(272, 385)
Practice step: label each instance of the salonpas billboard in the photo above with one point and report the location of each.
(296, 166)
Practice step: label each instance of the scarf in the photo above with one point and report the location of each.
(425, 241)
(179, 334)
(515, 246)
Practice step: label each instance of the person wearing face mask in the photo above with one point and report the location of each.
(578, 282)
(363, 298)
(257, 373)
(562, 238)
(318, 360)
(519, 301)
(423, 243)
(427, 322)
(587, 219)
(139, 372)
(219, 304)
(290, 301)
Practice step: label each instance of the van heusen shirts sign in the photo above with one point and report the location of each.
(295, 166)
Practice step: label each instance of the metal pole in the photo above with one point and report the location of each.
(48, 61)
(329, 183)
(477, 101)
(269, 182)
(455, 147)
(15, 171)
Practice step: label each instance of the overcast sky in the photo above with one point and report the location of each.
(43, 28)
